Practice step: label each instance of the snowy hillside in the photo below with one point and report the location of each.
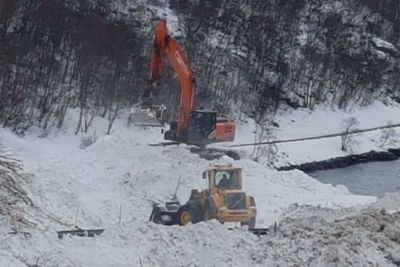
(121, 172)
(255, 55)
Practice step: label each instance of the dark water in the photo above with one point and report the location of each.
(374, 178)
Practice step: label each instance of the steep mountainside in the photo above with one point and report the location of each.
(251, 55)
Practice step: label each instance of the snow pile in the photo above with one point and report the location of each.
(133, 245)
(118, 176)
(369, 239)
(122, 170)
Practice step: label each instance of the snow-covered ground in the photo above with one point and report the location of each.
(120, 172)
(322, 121)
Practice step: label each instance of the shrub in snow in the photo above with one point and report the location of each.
(87, 141)
(388, 137)
(12, 193)
(265, 133)
(348, 139)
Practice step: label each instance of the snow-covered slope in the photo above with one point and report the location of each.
(323, 120)
(121, 172)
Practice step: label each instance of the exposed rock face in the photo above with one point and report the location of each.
(94, 54)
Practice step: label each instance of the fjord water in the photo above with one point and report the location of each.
(374, 178)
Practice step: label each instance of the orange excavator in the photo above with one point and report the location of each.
(191, 125)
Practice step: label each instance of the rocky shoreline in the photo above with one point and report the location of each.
(346, 161)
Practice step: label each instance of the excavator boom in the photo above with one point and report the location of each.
(191, 125)
(167, 45)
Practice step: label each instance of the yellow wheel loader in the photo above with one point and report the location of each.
(224, 200)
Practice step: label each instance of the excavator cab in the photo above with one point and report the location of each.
(203, 127)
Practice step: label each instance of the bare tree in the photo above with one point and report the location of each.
(349, 124)
(112, 115)
(388, 137)
(11, 191)
(265, 133)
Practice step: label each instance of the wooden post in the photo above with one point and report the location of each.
(120, 214)
(76, 216)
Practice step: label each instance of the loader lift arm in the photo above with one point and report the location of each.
(190, 125)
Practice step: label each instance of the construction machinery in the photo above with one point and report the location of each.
(191, 124)
(223, 199)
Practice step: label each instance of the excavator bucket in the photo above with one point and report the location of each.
(152, 115)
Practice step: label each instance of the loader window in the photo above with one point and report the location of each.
(226, 180)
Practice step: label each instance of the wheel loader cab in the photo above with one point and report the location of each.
(228, 179)
(224, 178)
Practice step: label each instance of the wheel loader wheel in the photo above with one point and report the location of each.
(185, 217)
(187, 214)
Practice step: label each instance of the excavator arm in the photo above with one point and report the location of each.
(169, 46)
(191, 125)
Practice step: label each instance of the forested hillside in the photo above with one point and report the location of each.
(248, 55)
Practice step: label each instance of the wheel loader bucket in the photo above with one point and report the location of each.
(165, 215)
(259, 231)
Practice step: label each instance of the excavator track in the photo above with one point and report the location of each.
(215, 153)
(205, 153)
(165, 144)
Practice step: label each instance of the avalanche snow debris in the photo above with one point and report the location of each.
(368, 239)
(122, 171)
